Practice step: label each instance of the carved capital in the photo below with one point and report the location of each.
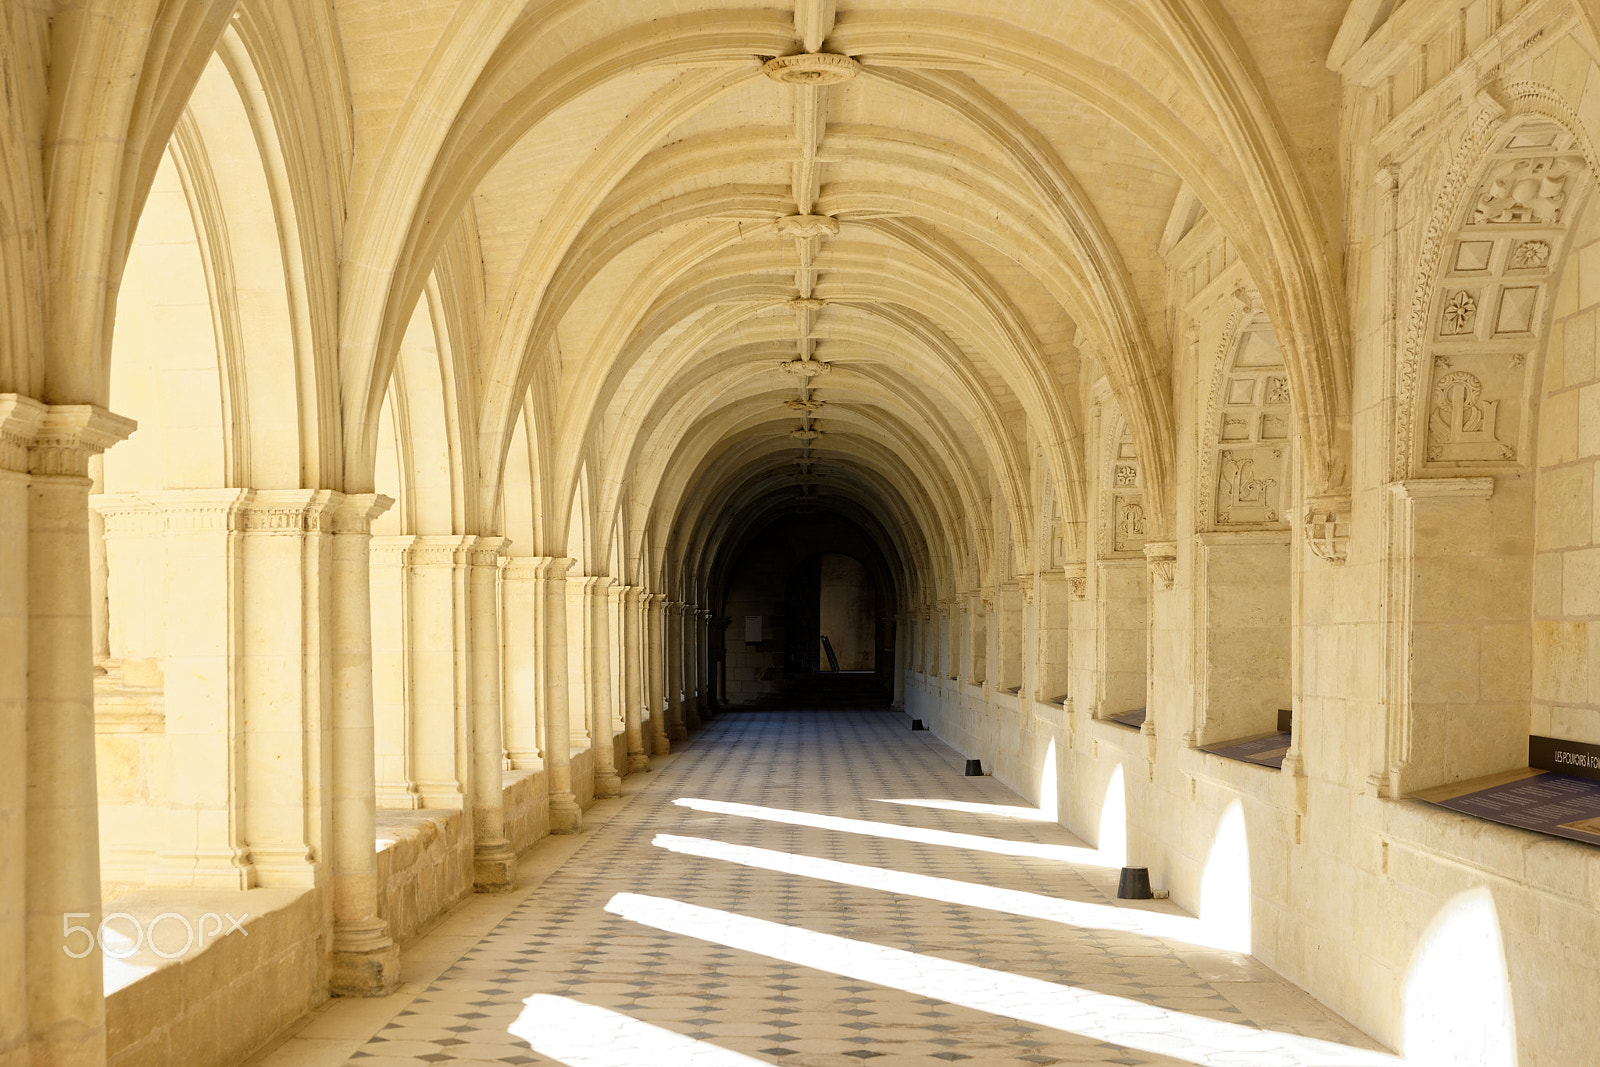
(489, 551)
(1162, 556)
(1077, 580)
(62, 437)
(353, 514)
(1327, 527)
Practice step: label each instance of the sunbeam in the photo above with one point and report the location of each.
(1007, 810)
(951, 891)
(1098, 1016)
(998, 846)
(585, 1035)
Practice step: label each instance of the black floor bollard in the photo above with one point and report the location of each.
(974, 768)
(1134, 884)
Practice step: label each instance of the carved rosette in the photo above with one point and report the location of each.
(1327, 528)
(1162, 556)
(811, 68)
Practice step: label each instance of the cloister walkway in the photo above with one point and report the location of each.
(822, 888)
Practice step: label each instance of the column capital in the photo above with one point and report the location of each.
(546, 568)
(56, 439)
(653, 599)
(352, 513)
(488, 550)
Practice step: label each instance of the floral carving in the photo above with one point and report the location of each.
(1530, 254)
(1523, 191)
(1460, 312)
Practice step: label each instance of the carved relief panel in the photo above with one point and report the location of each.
(1489, 306)
(1125, 524)
(1245, 467)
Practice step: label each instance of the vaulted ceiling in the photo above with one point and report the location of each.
(736, 255)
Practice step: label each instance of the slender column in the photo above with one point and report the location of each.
(58, 841)
(494, 864)
(602, 705)
(439, 683)
(902, 643)
(522, 618)
(677, 729)
(633, 684)
(393, 739)
(690, 630)
(365, 960)
(655, 640)
(19, 418)
(702, 662)
(565, 815)
(580, 653)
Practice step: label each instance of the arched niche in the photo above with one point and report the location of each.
(1121, 590)
(1244, 495)
(1490, 513)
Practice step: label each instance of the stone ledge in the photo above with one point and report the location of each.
(216, 1002)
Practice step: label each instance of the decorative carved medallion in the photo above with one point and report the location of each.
(805, 368)
(804, 405)
(1461, 424)
(1524, 191)
(1460, 313)
(1327, 528)
(1529, 254)
(811, 68)
(805, 435)
(806, 303)
(807, 226)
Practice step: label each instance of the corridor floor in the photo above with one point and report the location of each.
(823, 888)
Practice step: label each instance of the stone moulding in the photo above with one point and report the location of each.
(811, 68)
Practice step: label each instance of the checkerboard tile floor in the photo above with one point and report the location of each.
(897, 993)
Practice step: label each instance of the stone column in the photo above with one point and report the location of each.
(565, 815)
(690, 629)
(48, 805)
(439, 683)
(632, 671)
(655, 640)
(494, 864)
(521, 620)
(393, 740)
(364, 960)
(677, 729)
(601, 703)
(902, 641)
(580, 649)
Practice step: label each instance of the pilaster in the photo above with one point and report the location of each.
(494, 864)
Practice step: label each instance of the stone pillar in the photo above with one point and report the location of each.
(439, 683)
(602, 695)
(393, 742)
(565, 815)
(634, 686)
(494, 864)
(580, 648)
(522, 613)
(902, 643)
(48, 804)
(677, 729)
(692, 647)
(704, 675)
(364, 960)
(655, 640)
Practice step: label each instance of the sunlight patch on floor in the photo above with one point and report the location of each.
(1097, 1016)
(584, 1035)
(950, 891)
(998, 846)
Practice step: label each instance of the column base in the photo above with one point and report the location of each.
(607, 784)
(638, 762)
(660, 746)
(565, 815)
(494, 869)
(365, 961)
(691, 717)
(676, 731)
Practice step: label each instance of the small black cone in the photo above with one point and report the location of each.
(974, 768)
(918, 724)
(1134, 884)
